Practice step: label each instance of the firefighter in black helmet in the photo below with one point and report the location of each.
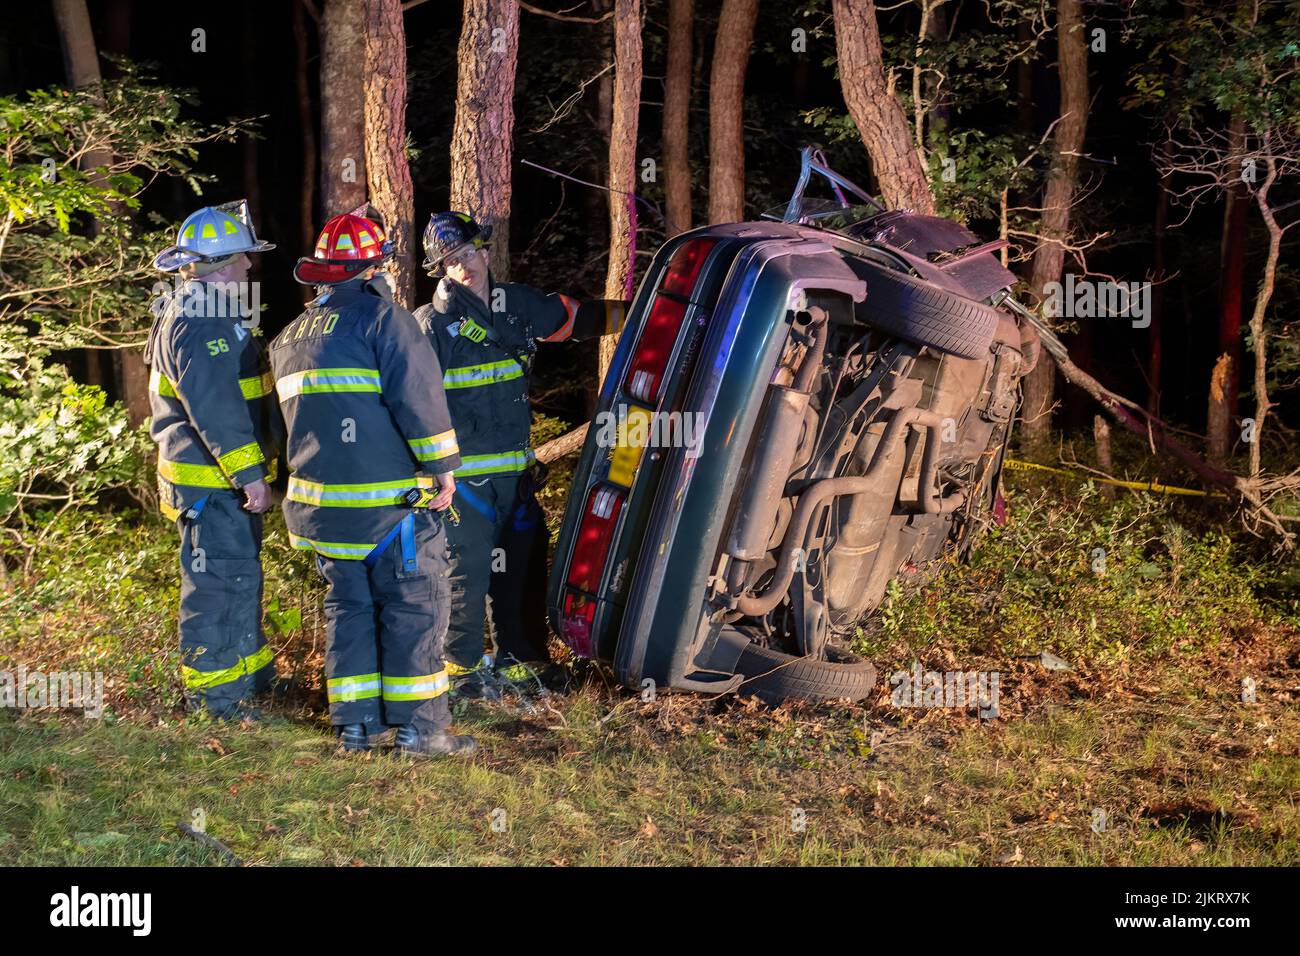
(485, 334)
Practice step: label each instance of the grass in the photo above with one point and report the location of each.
(605, 781)
(1147, 731)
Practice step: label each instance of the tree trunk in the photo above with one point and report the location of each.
(1054, 229)
(677, 111)
(1217, 416)
(1105, 462)
(387, 171)
(1232, 268)
(485, 120)
(1262, 299)
(82, 64)
(876, 112)
(727, 110)
(342, 124)
(622, 161)
(306, 129)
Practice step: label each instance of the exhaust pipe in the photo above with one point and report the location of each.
(777, 444)
(812, 497)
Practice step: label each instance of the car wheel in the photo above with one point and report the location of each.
(773, 676)
(918, 311)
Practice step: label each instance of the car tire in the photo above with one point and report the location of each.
(773, 676)
(915, 310)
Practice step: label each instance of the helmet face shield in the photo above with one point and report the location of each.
(449, 235)
(461, 253)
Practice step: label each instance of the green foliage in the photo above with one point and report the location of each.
(1219, 60)
(74, 264)
(1085, 577)
(62, 444)
(983, 166)
(75, 272)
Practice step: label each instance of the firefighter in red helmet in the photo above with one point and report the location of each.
(371, 451)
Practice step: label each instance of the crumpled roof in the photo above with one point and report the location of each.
(942, 251)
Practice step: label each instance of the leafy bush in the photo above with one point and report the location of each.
(1081, 576)
(63, 445)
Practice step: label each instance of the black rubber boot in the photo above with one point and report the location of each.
(354, 737)
(479, 684)
(411, 741)
(534, 678)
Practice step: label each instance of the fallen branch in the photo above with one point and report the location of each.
(566, 444)
(211, 842)
(1141, 422)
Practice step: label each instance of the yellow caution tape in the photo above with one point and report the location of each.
(1015, 465)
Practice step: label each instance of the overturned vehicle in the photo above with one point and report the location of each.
(839, 382)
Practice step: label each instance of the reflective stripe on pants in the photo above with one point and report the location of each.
(385, 628)
(224, 655)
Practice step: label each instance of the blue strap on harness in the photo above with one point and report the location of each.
(477, 503)
(405, 529)
(196, 509)
(523, 519)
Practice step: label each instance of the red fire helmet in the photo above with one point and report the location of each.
(348, 244)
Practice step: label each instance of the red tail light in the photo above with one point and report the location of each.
(684, 267)
(645, 374)
(587, 565)
(595, 532)
(575, 626)
(647, 370)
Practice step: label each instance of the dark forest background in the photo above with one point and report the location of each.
(254, 68)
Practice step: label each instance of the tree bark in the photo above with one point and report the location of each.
(727, 110)
(387, 171)
(876, 112)
(622, 161)
(1232, 269)
(1262, 299)
(677, 111)
(342, 123)
(1054, 228)
(81, 61)
(306, 129)
(481, 139)
(1217, 415)
(1105, 462)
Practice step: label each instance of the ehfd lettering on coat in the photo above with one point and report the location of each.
(74, 908)
(311, 325)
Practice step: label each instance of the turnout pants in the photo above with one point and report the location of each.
(498, 572)
(224, 655)
(385, 626)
